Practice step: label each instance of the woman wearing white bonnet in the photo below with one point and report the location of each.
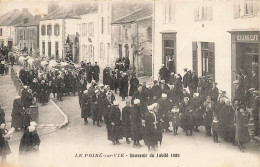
(136, 101)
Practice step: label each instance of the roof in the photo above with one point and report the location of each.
(29, 24)
(134, 16)
(15, 17)
(70, 12)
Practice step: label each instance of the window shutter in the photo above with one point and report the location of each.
(255, 8)
(195, 57)
(209, 13)
(236, 10)
(211, 59)
(196, 14)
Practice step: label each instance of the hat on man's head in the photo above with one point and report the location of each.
(251, 89)
(256, 92)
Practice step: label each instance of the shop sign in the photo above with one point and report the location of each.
(247, 38)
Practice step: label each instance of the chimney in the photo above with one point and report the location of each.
(37, 17)
(25, 20)
(25, 9)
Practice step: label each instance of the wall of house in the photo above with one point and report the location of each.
(51, 38)
(214, 30)
(89, 38)
(105, 57)
(30, 39)
(8, 34)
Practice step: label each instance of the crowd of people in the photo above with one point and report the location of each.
(187, 102)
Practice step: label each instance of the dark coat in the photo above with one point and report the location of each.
(214, 94)
(114, 130)
(241, 121)
(194, 83)
(17, 114)
(123, 86)
(227, 123)
(136, 121)
(96, 72)
(4, 146)
(134, 82)
(186, 116)
(240, 93)
(2, 116)
(86, 106)
(157, 92)
(195, 105)
(150, 137)
(164, 74)
(29, 142)
(175, 118)
(186, 80)
(126, 121)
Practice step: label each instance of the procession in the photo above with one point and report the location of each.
(113, 86)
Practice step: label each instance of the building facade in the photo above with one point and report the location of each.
(28, 36)
(89, 38)
(207, 37)
(132, 38)
(8, 22)
(54, 34)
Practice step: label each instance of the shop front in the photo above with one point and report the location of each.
(245, 45)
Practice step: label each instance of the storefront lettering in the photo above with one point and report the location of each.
(253, 38)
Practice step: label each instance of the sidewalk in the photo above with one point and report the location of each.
(49, 116)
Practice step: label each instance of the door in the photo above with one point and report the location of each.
(57, 50)
(169, 50)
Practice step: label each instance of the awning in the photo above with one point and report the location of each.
(244, 30)
(168, 31)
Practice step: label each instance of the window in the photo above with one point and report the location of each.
(49, 30)
(43, 30)
(57, 29)
(248, 7)
(102, 25)
(203, 13)
(169, 50)
(1, 32)
(245, 8)
(208, 59)
(169, 12)
(43, 48)
(91, 29)
(126, 32)
(149, 33)
(27, 34)
(57, 50)
(24, 34)
(119, 33)
(101, 50)
(21, 35)
(49, 49)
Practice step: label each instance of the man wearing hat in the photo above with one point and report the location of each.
(95, 107)
(214, 92)
(136, 121)
(123, 86)
(114, 126)
(164, 73)
(239, 91)
(255, 111)
(164, 107)
(96, 72)
(86, 106)
(254, 82)
(186, 78)
(193, 86)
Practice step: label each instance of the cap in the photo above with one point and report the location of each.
(96, 91)
(115, 103)
(162, 81)
(256, 92)
(31, 128)
(251, 89)
(136, 101)
(150, 108)
(196, 94)
(236, 82)
(85, 91)
(33, 123)
(164, 95)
